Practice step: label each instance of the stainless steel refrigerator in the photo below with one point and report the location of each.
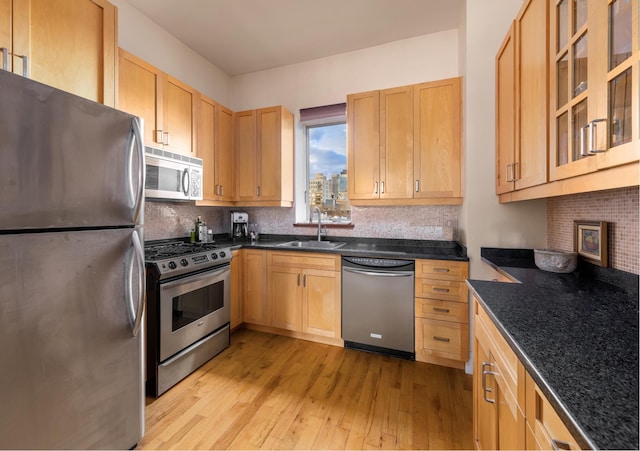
(71, 271)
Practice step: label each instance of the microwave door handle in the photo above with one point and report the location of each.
(136, 146)
(135, 313)
(185, 182)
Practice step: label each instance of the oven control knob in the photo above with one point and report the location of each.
(184, 262)
(173, 265)
(214, 256)
(223, 254)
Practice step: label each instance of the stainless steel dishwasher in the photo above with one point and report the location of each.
(378, 305)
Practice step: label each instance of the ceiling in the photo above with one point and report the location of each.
(242, 36)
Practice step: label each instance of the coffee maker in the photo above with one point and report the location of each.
(239, 224)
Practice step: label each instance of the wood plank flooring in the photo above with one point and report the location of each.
(272, 392)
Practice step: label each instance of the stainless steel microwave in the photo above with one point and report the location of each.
(172, 176)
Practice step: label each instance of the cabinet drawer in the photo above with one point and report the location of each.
(310, 260)
(442, 310)
(547, 428)
(442, 269)
(442, 289)
(442, 339)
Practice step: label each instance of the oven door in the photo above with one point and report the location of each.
(191, 308)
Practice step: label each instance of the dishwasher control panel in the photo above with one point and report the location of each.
(380, 262)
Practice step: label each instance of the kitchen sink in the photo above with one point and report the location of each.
(314, 244)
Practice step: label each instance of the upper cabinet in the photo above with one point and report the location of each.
(167, 105)
(404, 145)
(215, 147)
(68, 44)
(264, 157)
(590, 139)
(594, 69)
(522, 101)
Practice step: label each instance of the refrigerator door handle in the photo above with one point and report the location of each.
(137, 260)
(136, 195)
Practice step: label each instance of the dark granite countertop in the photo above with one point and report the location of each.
(577, 335)
(362, 247)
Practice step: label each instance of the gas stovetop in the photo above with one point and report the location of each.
(174, 258)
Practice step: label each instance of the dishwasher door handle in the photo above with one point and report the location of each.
(380, 273)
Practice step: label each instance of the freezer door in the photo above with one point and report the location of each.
(71, 367)
(66, 162)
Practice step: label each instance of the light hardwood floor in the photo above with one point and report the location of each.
(273, 392)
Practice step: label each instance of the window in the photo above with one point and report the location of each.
(327, 172)
(326, 184)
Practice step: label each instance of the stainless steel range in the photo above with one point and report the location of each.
(187, 309)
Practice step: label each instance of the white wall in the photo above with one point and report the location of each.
(328, 80)
(484, 221)
(139, 35)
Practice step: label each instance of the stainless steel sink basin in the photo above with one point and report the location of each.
(314, 244)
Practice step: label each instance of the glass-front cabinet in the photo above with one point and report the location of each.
(594, 85)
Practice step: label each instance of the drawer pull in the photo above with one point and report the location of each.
(441, 310)
(440, 270)
(559, 444)
(445, 340)
(440, 290)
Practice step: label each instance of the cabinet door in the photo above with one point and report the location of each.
(321, 303)
(531, 95)
(246, 161)
(179, 117)
(235, 314)
(268, 154)
(363, 145)
(6, 21)
(285, 297)
(485, 420)
(396, 143)
(139, 88)
(255, 287)
(506, 113)
(437, 137)
(207, 110)
(225, 157)
(70, 45)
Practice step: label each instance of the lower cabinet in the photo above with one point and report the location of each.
(254, 270)
(293, 293)
(509, 410)
(442, 312)
(235, 292)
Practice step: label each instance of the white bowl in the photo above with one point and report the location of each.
(555, 260)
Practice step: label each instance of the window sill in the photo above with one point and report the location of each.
(328, 225)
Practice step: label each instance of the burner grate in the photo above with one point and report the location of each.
(169, 250)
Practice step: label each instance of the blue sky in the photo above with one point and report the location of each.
(327, 149)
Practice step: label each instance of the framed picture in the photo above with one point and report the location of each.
(590, 241)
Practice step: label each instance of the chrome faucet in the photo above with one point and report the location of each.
(315, 208)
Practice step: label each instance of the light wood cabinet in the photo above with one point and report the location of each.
(545, 429)
(304, 293)
(441, 311)
(404, 145)
(236, 311)
(498, 385)
(68, 44)
(167, 105)
(592, 59)
(215, 147)
(254, 269)
(522, 101)
(264, 157)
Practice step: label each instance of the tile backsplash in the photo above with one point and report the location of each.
(619, 208)
(174, 219)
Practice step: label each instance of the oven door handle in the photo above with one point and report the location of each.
(190, 283)
(135, 313)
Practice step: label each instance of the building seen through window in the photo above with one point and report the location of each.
(327, 187)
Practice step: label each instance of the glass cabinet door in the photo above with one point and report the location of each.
(594, 68)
